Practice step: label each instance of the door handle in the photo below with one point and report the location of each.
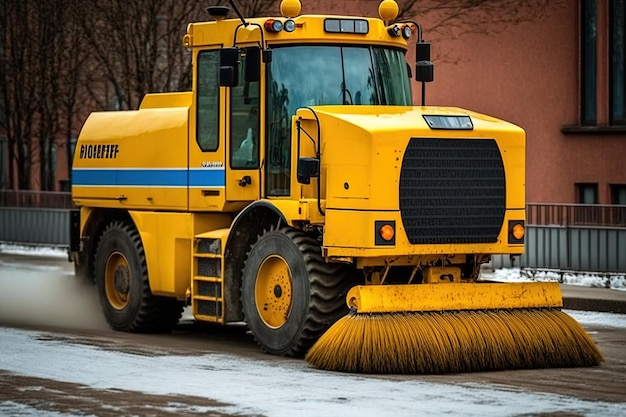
(246, 180)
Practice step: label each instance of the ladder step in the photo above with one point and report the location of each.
(211, 319)
(208, 298)
(207, 284)
(207, 255)
(207, 279)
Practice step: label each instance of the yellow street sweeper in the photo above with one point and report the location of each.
(298, 189)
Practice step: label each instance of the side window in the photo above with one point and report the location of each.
(208, 95)
(244, 121)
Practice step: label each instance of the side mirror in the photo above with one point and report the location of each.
(252, 69)
(424, 69)
(229, 67)
(308, 168)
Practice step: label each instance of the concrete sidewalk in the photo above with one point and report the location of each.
(576, 297)
(593, 299)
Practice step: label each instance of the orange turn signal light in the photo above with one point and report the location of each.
(386, 232)
(518, 231)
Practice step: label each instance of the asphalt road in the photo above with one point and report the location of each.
(34, 283)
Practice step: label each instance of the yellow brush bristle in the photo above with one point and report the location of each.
(463, 341)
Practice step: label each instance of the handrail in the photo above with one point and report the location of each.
(545, 214)
(36, 199)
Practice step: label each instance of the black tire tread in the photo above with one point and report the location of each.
(328, 283)
(155, 314)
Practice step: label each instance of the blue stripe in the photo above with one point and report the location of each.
(93, 177)
(207, 178)
(149, 177)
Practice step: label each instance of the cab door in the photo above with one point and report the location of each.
(243, 133)
(207, 147)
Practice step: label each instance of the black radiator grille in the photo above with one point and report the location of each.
(452, 191)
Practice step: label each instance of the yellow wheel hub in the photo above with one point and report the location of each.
(273, 291)
(117, 280)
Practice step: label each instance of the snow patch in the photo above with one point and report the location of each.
(612, 281)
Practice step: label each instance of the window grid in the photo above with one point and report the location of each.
(588, 62)
(617, 96)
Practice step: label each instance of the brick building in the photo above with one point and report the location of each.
(560, 76)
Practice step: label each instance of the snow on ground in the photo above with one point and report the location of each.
(613, 281)
(34, 250)
(587, 318)
(250, 387)
(598, 280)
(285, 389)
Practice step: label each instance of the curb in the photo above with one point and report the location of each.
(590, 304)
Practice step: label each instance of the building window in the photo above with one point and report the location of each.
(589, 57)
(618, 194)
(602, 99)
(587, 193)
(4, 162)
(617, 69)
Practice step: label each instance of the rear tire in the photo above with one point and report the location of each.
(290, 295)
(122, 280)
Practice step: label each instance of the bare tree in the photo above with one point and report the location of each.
(136, 48)
(48, 17)
(38, 83)
(74, 103)
(446, 19)
(60, 59)
(256, 8)
(17, 78)
(450, 19)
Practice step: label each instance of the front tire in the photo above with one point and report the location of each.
(290, 295)
(122, 280)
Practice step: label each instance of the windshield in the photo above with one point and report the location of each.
(301, 76)
(318, 75)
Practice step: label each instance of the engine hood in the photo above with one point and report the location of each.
(362, 148)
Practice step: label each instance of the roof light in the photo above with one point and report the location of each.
(407, 32)
(273, 25)
(218, 12)
(290, 25)
(388, 10)
(290, 8)
(394, 30)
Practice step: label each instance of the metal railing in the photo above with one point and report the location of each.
(35, 217)
(576, 215)
(36, 199)
(572, 237)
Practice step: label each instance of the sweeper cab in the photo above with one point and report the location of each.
(297, 188)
